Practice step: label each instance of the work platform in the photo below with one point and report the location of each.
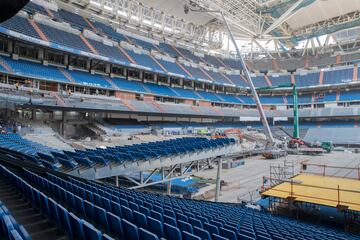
(342, 193)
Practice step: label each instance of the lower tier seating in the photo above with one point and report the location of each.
(131, 215)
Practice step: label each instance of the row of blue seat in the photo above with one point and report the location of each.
(56, 213)
(9, 228)
(175, 218)
(55, 159)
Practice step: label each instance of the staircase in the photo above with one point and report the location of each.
(95, 129)
(37, 225)
(59, 100)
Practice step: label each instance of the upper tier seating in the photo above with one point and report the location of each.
(305, 80)
(237, 80)
(34, 8)
(109, 31)
(74, 19)
(189, 55)
(144, 60)
(259, 81)
(168, 49)
(64, 38)
(280, 80)
(84, 78)
(338, 76)
(218, 77)
(172, 67)
(144, 44)
(196, 72)
(131, 215)
(21, 25)
(232, 63)
(212, 60)
(108, 51)
(31, 69)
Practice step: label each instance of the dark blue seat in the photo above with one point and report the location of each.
(170, 220)
(89, 210)
(116, 208)
(195, 222)
(64, 221)
(127, 213)
(227, 233)
(130, 230)
(184, 226)
(171, 232)
(155, 226)
(91, 233)
(217, 237)
(156, 215)
(115, 225)
(76, 224)
(146, 235)
(101, 218)
(189, 236)
(140, 219)
(203, 234)
(211, 228)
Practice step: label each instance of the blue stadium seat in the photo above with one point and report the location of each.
(146, 235)
(130, 230)
(171, 232)
(189, 236)
(91, 233)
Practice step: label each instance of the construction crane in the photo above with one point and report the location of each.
(295, 140)
(296, 134)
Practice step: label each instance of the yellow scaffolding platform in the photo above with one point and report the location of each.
(323, 190)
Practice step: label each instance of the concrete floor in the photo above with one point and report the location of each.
(244, 182)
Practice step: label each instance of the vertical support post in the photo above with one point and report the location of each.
(324, 170)
(63, 123)
(168, 188)
(218, 181)
(292, 188)
(141, 177)
(338, 188)
(117, 181)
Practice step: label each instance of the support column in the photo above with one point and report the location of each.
(117, 181)
(63, 123)
(168, 188)
(218, 181)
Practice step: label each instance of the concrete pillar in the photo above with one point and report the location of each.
(63, 123)
(41, 54)
(108, 68)
(117, 181)
(218, 181)
(168, 188)
(11, 46)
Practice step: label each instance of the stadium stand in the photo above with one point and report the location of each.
(128, 214)
(57, 160)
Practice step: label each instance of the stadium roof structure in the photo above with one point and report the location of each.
(285, 22)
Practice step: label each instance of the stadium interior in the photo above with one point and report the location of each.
(180, 120)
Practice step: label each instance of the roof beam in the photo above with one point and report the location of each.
(283, 17)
